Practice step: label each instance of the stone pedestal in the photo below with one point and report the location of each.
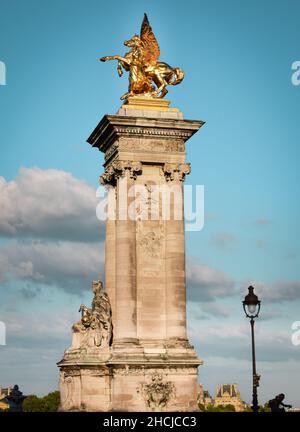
(150, 365)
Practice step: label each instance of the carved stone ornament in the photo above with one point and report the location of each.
(151, 242)
(67, 391)
(118, 169)
(95, 326)
(152, 145)
(176, 172)
(158, 393)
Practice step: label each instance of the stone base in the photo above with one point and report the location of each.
(149, 107)
(130, 377)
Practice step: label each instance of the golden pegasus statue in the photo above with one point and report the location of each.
(143, 66)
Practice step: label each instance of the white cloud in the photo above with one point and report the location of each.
(48, 204)
(233, 340)
(277, 291)
(68, 265)
(224, 240)
(215, 309)
(205, 283)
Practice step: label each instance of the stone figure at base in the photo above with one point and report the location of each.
(95, 326)
(15, 400)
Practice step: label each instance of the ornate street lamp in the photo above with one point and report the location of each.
(251, 306)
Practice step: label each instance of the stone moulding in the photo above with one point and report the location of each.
(111, 128)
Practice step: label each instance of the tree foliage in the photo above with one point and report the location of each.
(218, 408)
(49, 403)
(265, 408)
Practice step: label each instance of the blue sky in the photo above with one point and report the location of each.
(237, 56)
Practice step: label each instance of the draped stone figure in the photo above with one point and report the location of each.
(95, 325)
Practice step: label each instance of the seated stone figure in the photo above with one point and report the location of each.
(95, 326)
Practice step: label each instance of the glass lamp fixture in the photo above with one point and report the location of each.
(251, 304)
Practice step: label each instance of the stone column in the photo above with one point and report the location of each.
(150, 366)
(145, 260)
(175, 253)
(120, 260)
(110, 253)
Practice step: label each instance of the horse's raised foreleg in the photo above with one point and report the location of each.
(116, 57)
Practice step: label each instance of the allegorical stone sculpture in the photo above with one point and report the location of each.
(95, 326)
(143, 66)
(15, 399)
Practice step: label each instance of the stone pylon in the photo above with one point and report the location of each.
(150, 365)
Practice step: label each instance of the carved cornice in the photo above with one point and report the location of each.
(147, 370)
(117, 169)
(133, 131)
(176, 172)
(111, 128)
(70, 371)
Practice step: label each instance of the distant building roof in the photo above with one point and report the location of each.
(231, 389)
(4, 391)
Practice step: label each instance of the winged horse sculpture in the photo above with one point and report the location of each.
(148, 77)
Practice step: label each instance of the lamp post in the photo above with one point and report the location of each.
(251, 306)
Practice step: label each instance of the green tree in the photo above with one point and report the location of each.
(218, 408)
(32, 404)
(201, 407)
(225, 408)
(248, 409)
(265, 408)
(48, 403)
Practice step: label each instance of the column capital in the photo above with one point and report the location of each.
(129, 169)
(176, 172)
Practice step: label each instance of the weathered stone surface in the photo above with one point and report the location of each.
(150, 365)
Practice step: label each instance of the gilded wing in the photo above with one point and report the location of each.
(151, 48)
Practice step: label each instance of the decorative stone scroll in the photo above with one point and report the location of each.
(176, 172)
(118, 169)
